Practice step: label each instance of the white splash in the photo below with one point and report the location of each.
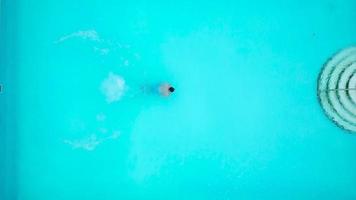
(113, 87)
(88, 144)
(86, 35)
(91, 142)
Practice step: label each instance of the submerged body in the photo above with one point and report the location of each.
(162, 89)
(165, 89)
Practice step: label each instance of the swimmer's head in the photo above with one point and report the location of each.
(171, 89)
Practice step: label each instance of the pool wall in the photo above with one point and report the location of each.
(8, 101)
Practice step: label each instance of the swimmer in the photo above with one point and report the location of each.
(162, 89)
(165, 89)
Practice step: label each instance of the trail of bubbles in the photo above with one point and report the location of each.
(86, 35)
(91, 142)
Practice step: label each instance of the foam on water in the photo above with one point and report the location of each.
(87, 35)
(91, 142)
(113, 87)
(103, 46)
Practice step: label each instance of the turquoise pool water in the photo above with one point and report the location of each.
(244, 122)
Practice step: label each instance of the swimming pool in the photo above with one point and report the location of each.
(243, 123)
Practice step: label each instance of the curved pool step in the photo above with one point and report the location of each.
(337, 89)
